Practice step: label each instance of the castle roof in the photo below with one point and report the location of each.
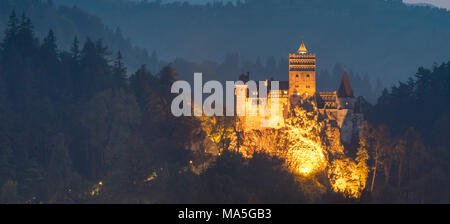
(345, 90)
(302, 49)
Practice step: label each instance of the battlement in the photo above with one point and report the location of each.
(336, 106)
(302, 56)
(302, 73)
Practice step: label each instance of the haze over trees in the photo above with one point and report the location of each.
(67, 22)
(85, 120)
(384, 38)
(74, 128)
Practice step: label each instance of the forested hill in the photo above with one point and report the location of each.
(68, 22)
(384, 38)
(75, 129)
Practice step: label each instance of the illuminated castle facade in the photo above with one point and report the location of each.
(302, 73)
(339, 108)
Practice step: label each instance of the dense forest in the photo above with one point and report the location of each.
(76, 129)
(67, 22)
(384, 38)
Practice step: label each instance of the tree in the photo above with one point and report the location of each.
(7, 166)
(109, 118)
(120, 72)
(350, 176)
(219, 129)
(379, 145)
(75, 50)
(49, 45)
(51, 77)
(10, 32)
(141, 83)
(95, 70)
(9, 192)
(59, 174)
(26, 37)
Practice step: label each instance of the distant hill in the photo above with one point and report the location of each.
(422, 5)
(190, 1)
(68, 22)
(384, 38)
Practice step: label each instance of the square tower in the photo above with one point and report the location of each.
(302, 73)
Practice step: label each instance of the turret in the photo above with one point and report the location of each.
(302, 73)
(345, 93)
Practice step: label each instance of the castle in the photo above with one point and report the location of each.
(340, 108)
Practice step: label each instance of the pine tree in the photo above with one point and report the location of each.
(120, 71)
(96, 73)
(10, 31)
(75, 50)
(50, 83)
(49, 45)
(140, 83)
(26, 39)
(74, 69)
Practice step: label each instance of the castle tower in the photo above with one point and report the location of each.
(345, 93)
(345, 90)
(302, 73)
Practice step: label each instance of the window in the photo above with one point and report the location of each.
(307, 86)
(296, 76)
(307, 76)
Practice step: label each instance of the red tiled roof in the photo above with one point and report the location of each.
(344, 88)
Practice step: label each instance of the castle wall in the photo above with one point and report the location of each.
(339, 111)
(258, 112)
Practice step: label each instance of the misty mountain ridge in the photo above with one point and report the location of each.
(422, 5)
(385, 39)
(70, 22)
(203, 2)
